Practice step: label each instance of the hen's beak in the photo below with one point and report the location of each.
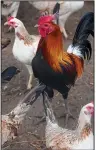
(6, 23)
(36, 26)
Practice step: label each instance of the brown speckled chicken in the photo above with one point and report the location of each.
(59, 138)
(12, 121)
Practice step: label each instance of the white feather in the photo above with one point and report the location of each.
(70, 49)
(74, 50)
(86, 144)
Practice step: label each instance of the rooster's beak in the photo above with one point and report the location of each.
(36, 26)
(6, 23)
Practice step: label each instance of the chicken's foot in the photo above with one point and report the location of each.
(43, 118)
(67, 113)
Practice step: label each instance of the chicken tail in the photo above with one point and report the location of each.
(81, 46)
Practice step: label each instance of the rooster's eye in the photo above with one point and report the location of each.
(46, 25)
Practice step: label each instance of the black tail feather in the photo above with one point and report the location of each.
(86, 49)
(84, 29)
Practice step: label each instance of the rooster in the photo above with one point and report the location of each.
(25, 45)
(66, 9)
(59, 138)
(52, 65)
(9, 8)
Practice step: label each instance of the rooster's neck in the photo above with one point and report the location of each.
(52, 49)
(54, 43)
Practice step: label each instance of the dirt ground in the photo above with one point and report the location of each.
(80, 94)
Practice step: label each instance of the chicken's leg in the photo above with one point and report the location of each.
(64, 32)
(67, 113)
(62, 28)
(42, 118)
(45, 98)
(47, 94)
(29, 86)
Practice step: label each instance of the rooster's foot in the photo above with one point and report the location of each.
(42, 119)
(67, 115)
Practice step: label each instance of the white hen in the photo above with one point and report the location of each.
(9, 8)
(66, 9)
(59, 138)
(25, 45)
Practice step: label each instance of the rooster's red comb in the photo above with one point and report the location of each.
(9, 18)
(45, 19)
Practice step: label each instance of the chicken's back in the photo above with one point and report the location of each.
(8, 10)
(43, 5)
(69, 7)
(59, 138)
(65, 6)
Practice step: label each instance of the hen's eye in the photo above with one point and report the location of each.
(89, 107)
